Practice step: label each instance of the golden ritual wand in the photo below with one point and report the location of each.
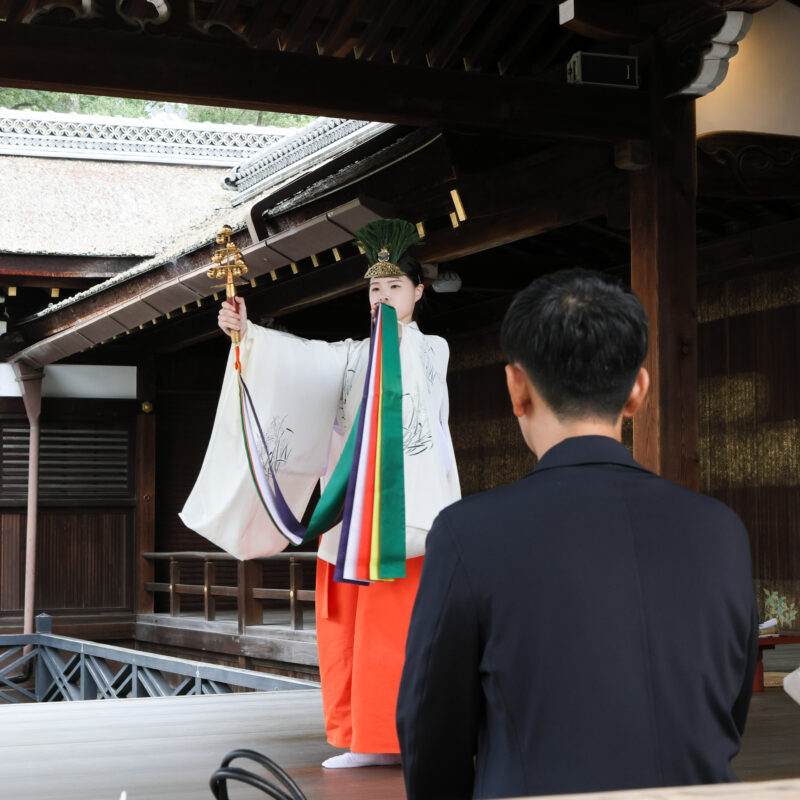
(228, 264)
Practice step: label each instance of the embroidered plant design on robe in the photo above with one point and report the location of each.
(417, 436)
(277, 435)
(429, 364)
(347, 388)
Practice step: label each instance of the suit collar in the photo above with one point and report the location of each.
(587, 450)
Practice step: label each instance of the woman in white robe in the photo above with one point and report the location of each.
(307, 394)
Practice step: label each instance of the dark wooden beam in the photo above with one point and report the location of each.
(758, 249)
(336, 40)
(543, 176)
(601, 19)
(522, 40)
(373, 39)
(663, 275)
(82, 60)
(47, 282)
(491, 33)
(296, 32)
(409, 45)
(446, 47)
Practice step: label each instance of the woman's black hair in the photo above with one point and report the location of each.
(413, 271)
(411, 267)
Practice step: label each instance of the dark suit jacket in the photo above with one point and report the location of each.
(591, 627)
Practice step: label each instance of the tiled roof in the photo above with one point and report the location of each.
(307, 148)
(165, 138)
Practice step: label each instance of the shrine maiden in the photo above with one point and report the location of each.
(307, 395)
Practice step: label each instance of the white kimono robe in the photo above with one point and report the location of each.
(307, 394)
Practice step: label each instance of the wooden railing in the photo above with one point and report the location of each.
(73, 669)
(248, 592)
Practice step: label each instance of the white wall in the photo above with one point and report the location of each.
(761, 91)
(76, 380)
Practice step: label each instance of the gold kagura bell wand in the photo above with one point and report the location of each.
(228, 264)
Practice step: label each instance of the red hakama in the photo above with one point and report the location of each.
(361, 637)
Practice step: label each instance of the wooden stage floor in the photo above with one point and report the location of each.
(167, 748)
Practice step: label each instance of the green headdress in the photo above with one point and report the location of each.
(384, 241)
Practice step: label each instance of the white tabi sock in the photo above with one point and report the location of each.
(350, 759)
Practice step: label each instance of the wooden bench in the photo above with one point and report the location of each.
(769, 642)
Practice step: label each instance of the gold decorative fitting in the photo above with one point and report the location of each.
(384, 269)
(458, 205)
(228, 264)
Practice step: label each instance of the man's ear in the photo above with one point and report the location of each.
(638, 393)
(518, 389)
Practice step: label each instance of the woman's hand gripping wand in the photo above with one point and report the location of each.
(229, 264)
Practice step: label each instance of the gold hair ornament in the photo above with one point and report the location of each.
(384, 241)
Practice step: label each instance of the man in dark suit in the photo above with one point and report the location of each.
(592, 626)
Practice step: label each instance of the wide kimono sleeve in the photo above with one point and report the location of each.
(296, 385)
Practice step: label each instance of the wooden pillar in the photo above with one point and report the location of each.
(30, 380)
(174, 581)
(145, 516)
(663, 201)
(209, 581)
(248, 578)
(295, 585)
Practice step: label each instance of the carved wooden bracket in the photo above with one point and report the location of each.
(716, 54)
(699, 42)
(66, 11)
(754, 165)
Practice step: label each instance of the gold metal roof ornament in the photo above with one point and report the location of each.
(384, 241)
(228, 264)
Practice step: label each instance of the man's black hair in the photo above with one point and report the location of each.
(580, 338)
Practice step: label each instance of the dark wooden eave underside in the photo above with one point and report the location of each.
(60, 271)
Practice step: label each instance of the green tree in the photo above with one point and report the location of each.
(37, 100)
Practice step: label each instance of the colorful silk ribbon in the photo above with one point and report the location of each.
(367, 488)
